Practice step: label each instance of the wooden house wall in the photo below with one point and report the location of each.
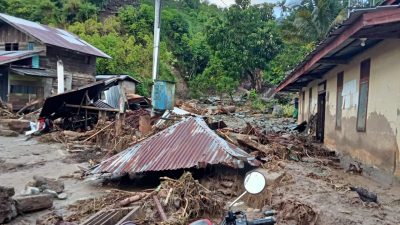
(8, 34)
(81, 67)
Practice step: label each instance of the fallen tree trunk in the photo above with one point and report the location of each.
(132, 199)
(31, 203)
(248, 142)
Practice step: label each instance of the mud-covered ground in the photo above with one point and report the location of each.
(20, 160)
(313, 189)
(326, 190)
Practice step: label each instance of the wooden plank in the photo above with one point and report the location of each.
(91, 107)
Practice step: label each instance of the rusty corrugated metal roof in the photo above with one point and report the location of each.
(34, 72)
(52, 36)
(12, 56)
(189, 143)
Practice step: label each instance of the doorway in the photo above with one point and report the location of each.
(320, 131)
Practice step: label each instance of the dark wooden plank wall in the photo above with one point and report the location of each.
(82, 67)
(9, 34)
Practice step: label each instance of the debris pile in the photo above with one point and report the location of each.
(173, 202)
(275, 146)
(294, 212)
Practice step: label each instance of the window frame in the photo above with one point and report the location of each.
(365, 73)
(14, 46)
(339, 92)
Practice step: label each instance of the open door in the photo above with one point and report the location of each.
(320, 131)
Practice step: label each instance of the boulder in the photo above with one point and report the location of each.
(48, 183)
(31, 203)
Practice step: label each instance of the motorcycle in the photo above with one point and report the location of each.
(254, 183)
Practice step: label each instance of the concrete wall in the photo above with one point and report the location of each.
(378, 146)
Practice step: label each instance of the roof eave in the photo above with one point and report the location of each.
(363, 20)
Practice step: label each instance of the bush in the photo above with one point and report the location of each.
(288, 110)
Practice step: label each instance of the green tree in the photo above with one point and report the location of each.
(245, 40)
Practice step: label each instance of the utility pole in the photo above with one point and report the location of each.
(157, 25)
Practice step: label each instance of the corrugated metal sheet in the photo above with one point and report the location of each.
(100, 104)
(34, 72)
(112, 95)
(120, 76)
(53, 36)
(163, 95)
(189, 143)
(12, 56)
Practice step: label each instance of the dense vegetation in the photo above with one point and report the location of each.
(213, 49)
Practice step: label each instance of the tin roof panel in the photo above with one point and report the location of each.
(189, 143)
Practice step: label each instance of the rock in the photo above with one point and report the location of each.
(51, 192)
(31, 191)
(48, 183)
(31, 203)
(62, 196)
(8, 133)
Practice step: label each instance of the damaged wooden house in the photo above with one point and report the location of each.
(30, 56)
(351, 83)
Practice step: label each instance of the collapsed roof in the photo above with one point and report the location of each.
(362, 30)
(52, 36)
(187, 144)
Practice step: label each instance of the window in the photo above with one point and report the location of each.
(31, 45)
(363, 95)
(22, 89)
(339, 100)
(11, 46)
(309, 103)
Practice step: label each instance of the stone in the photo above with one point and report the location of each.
(31, 203)
(31, 191)
(62, 196)
(48, 183)
(8, 133)
(51, 192)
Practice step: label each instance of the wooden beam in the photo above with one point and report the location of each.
(91, 107)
